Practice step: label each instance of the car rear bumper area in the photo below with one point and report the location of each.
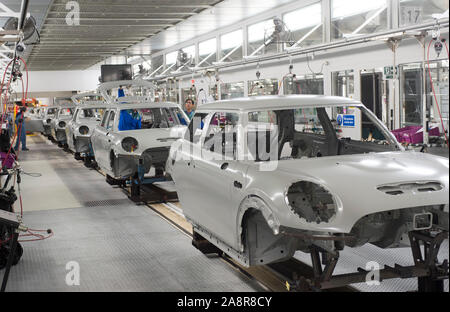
(60, 135)
(125, 166)
(47, 130)
(82, 144)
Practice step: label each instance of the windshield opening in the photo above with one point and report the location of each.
(51, 111)
(65, 112)
(90, 113)
(149, 118)
(315, 132)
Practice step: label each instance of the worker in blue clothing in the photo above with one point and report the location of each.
(189, 106)
(126, 120)
(121, 92)
(22, 134)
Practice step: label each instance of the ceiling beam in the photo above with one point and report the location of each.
(137, 5)
(126, 13)
(118, 19)
(103, 25)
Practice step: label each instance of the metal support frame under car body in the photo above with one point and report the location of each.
(429, 273)
(139, 180)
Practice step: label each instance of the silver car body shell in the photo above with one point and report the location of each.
(58, 132)
(47, 120)
(34, 119)
(107, 143)
(216, 209)
(76, 141)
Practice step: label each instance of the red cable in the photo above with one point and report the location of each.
(1, 86)
(20, 125)
(26, 70)
(434, 93)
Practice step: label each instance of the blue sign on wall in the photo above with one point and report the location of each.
(346, 120)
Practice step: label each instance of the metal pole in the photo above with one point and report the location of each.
(425, 113)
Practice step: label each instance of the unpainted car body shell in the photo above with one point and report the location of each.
(211, 202)
(47, 120)
(77, 142)
(58, 132)
(120, 164)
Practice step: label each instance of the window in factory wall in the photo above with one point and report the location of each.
(231, 90)
(355, 17)
(420, 11)
(157, 65)
(171, 61)
(231, 46)
(260, 39)
(343, 83)
(307, 84)
(305, 26)
(412, 95)
(142, 69)
(185, 58)
(207, 52)
(263, 87)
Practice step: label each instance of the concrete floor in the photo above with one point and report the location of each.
(119, 246)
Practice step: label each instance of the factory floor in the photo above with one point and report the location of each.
(118, 245)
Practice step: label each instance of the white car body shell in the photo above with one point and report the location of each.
(58, 132)
(80, 142)
(216, 208)
(107, 142)
(47, 119)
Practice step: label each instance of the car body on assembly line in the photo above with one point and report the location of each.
(58, 124)
(88, 114)
(135, 134)
(48, 114)
(34, 121)
(261, 178)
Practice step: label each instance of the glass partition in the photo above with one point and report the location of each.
(355, 17)
(343, 83)
(263, 87)
(231, 90)
(411, 83)
(307, 84)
